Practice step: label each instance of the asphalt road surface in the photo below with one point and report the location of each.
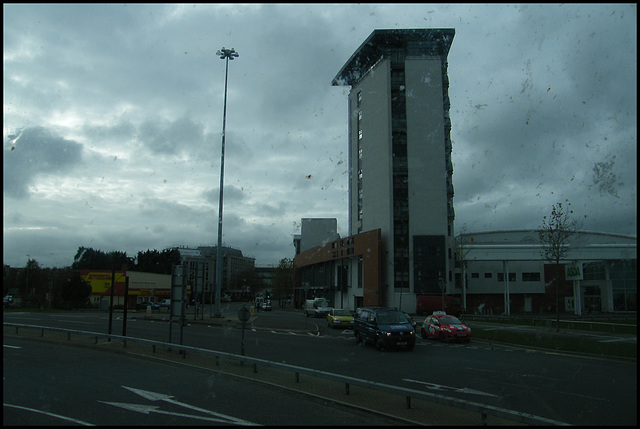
(52, 384)
(560, 386)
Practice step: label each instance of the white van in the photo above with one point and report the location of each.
(318, 307)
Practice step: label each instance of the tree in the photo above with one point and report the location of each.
(153, 261)
(282, 279)
(555, 235)
(89, 259)
(248, 281)
(75, 291)
(59, 278)
(30, 282)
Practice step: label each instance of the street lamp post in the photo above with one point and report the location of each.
(225, 54)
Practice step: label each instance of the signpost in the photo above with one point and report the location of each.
(178, 297)
(574, 272)
(244, 314)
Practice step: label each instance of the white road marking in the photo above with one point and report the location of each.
(77, 322)
(483, 370)
(58, 416)
(441, 387)
(618, 340)
(146, 409)
(153, 396)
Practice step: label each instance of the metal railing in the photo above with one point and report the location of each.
(483, 409)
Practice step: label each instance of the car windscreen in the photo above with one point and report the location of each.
(391, 317)
(450, 320)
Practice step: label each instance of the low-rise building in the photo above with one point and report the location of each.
(500, 272)
(142, 287)
(201, 266)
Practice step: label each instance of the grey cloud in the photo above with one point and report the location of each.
(122, 130)
(142, 82)
(171, 137)
(231, 195)
(33, 152)
(159, 209)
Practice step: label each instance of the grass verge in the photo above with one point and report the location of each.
(560, 343)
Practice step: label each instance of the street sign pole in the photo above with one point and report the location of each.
(244, 314)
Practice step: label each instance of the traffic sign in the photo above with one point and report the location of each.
(244, 314)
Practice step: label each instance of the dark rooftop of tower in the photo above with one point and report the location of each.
(424, 41)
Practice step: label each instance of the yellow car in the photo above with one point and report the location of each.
(339, 318)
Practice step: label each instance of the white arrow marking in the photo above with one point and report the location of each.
(58, 416)
(454, 389)
(153, 396)
(146, 409)
(475, 392)
(617, 340)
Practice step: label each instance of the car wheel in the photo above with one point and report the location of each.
(423, 333)
(358, 337)
(379, 344)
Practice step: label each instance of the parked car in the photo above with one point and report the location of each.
(266, 306)
(165, 303)
(318, 307)
(384, 327)
(339, 318)
(445, 327)
(144, 304)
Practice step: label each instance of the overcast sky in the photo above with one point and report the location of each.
(113, 120)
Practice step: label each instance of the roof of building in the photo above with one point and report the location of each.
(209, 251)
(430, 41)
(525, 245)
(530, 236)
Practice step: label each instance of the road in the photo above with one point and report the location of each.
(562, 387)
(51, 384)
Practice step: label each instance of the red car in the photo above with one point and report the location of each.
(445, 327)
